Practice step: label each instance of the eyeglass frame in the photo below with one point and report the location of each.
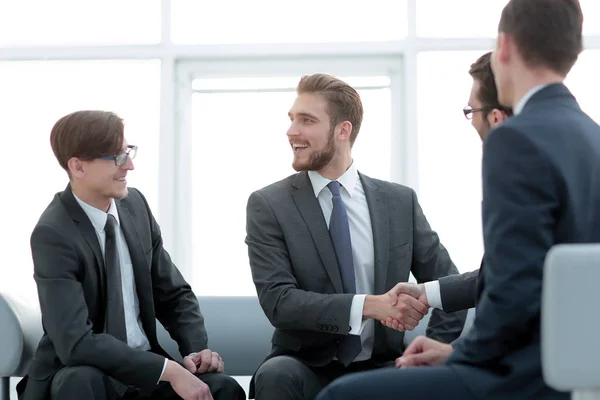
(121, 158)
(468, 111)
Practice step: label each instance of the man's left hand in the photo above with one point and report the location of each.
(424, 351)
(204, 361)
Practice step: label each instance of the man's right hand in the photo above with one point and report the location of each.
(404, 308)
(416, 290)
(185, 384)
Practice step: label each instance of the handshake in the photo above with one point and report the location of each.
(401, 308)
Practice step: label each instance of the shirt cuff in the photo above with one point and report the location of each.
(163, 370)
(356, 314)
(432, 291)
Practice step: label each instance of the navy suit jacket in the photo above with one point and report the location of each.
(541, 187)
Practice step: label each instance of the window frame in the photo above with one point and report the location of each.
(174, 58)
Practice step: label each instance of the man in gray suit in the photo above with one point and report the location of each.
(327, 246)
(459, 292)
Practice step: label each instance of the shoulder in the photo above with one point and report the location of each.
(391, 188)
(281, 188)
(55, 215)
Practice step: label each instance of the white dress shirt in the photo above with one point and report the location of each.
(363, 253)
(136, 337)
(432, 289)
(521, 103)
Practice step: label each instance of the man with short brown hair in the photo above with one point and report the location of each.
(327, 246)
(103, 278)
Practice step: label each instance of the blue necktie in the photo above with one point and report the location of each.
(339, 230)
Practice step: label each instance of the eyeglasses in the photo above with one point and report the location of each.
(121, 159)
(468, 111)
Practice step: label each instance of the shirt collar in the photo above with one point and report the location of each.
(97, 216)
(347, 180)
(521, 103)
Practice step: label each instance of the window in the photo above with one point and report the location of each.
(34, 96)
(591, 17)
(273, 21)
(458, 19)
(239, 145)
(583, 83)
(450, 155)
(67, 22)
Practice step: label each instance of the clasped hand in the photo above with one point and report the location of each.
(409, 305)
(204, 361)
(424, 351)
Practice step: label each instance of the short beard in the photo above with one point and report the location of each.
(319, 160)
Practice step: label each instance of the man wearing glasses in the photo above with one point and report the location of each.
(456, 292)
(103, 278)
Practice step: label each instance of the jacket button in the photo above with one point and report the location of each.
(335, 328)
(319, 326)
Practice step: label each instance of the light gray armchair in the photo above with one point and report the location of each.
(237, 329)
(570, 323)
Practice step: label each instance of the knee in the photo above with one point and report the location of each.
(225, 387)
(80, 379)
(279, 371)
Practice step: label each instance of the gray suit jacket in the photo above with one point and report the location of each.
(296, 274)
(459, 292)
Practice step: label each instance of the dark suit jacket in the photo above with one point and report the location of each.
(297, 278)
(459, 292)
(71, 282)
(541, 187)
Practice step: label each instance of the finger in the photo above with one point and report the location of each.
(414, 347)
(189, 364)
(214, 362)
(410, 322)
(416, 360)
(394, 324)
(418, 306)
(205, 361)
(412, 307)
(221, 366)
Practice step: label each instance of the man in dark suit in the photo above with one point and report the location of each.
(541, 187)
(459, 292)
(326, 247)
(103, 278)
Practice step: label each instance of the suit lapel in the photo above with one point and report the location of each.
(141, 268)
(378, 210)
(87, 230)
(308, 205)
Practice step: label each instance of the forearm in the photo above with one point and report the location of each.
(117, 359)
(458, 292)
(296, 309)
(175, 303)
(182, 318)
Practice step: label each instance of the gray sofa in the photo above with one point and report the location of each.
(237, 329)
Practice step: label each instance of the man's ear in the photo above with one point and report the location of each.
(343, 130)
(76, 167)
(496, 117)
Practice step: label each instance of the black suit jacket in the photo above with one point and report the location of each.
(297, 277)
(71, 282)
(541, 187)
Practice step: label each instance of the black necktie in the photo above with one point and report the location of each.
(115, 309)
(339, 230)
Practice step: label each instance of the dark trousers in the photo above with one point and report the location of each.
(287, 378)
(76, 383)
(422, 383)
